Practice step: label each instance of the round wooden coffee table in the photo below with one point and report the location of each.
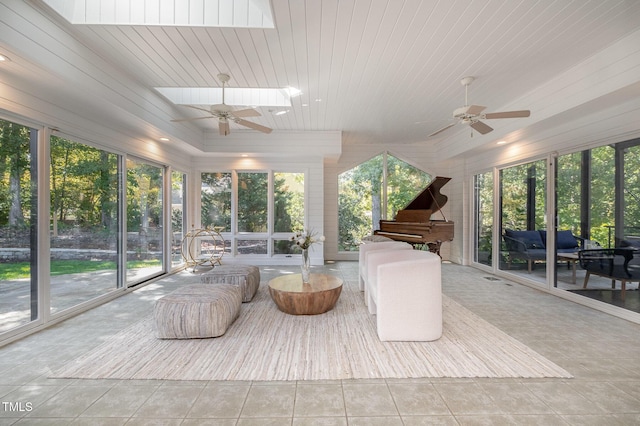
(294, 297)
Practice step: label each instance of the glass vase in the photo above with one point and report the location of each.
(305, 267)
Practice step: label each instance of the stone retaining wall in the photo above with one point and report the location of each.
(9, 255)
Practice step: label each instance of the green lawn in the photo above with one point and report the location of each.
(14, 271)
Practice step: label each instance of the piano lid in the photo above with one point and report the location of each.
(430, 198)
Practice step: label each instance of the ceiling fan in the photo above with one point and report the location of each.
(225, 113)
(472, 114)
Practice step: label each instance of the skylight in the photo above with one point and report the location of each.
(195, 13)
(232, 96)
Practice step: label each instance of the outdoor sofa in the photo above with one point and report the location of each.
(530, 246)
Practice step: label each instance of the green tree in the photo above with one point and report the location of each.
(353, 222)
(84, 185)
(16, 176)
(516, 183)
(404, 183)
(484, 216)
(568, 192)
(288, 191)
(602, 193)
(252, 201)
(144, 190)
(360, 195)
(216, 200)
(632, 191)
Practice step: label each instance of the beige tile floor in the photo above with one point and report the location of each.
(602, 352)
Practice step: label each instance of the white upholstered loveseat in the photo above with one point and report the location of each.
(365, 249)
(404, 291)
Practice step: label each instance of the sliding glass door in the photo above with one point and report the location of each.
(483, 230)
(19, 301)
(84, 186)
(630, 233)
(144, 221)
(523, 219)
(597, 205)
(178, 212)
(602, 194)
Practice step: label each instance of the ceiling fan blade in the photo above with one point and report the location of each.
(198, 108)
(249, 112)
(253, 126)
(508, 114)
(475, 109)
(442, 130)
(223, 126)
(480, 127)
(191, 119)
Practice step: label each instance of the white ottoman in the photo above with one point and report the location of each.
(246, 277)
(197, 311)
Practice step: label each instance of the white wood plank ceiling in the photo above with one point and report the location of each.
(382, 71)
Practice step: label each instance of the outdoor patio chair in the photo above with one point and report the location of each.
(615, 264)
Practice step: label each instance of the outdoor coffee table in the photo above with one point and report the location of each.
(294, 297)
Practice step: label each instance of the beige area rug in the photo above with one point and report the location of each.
(266, 344)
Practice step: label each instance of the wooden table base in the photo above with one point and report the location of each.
(294, 297)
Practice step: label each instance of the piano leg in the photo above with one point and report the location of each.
(435, 247)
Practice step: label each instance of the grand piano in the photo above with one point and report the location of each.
(414, 225)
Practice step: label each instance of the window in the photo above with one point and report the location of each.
(18, 226)
(178, 210)
(483, 231)
(89, 253)
(270, 208)
(253, 200)
(631, 195)
(523, 208)
(288, 199)
(371, 191)
(288, 217)
(144, 221)
(84, 223)
(598, 193)
(215, 197)
(585, 194)
(404, 182)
